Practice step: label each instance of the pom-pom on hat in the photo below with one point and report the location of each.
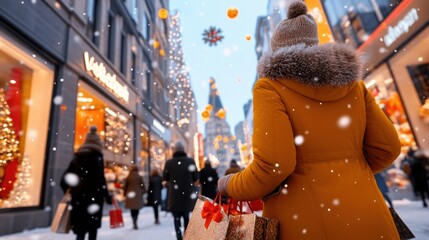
(298, 28)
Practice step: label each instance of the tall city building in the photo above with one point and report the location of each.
(219, 144)
(67, 65)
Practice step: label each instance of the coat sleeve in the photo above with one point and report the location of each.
(381, 142)
(166, 173)
(273, 146)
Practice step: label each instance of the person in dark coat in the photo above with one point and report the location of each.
(381, 183)
(85, 179)
(154, 193)
(133, 191)
(233, 168)
(418, 169)
(181, 174)
(208, 181)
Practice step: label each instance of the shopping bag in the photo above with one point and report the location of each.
(208, 220)
(250, 226)
(62, 222)
(116, 220)
(256, 205)
(403, 230)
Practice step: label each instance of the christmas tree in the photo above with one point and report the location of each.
(9, 145)
(19, 196)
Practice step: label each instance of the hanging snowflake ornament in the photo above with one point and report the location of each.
(212, 36)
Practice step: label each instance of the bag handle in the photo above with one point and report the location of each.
(114, 203)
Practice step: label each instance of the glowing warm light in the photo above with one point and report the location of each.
(155, 44)
(232, 12)
(248, 37)
(163, 13)
(108, 80)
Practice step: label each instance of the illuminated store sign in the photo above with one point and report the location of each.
(108, 80)
(158, 126)
(393, 33)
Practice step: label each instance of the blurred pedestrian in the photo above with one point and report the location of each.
(318, 137)
(85, 179)
(181, 174)
(134, 189)
(208, 180)
(418, 169)
(381, 183)
(233, 167)
(154, 193)
(406, 167)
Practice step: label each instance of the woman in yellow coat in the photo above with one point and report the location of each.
(319, 137)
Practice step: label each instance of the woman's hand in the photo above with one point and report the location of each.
(222, 184)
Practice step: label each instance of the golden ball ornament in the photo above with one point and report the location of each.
(163, 13)
(232, 12)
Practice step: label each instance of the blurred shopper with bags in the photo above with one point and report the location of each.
(85, 179)
(134, 189)
(154, 193)
(181, 175)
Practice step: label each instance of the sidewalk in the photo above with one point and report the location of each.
(412, 212)
(147, 229)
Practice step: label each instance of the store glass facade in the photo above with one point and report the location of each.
(381, 85)
(114, 126)
(24, 122)
(353, 21)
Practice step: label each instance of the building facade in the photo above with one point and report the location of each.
(66, 65)
(392, 35)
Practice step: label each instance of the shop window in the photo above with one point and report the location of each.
(381, 86)
(26, 84)
(115, 126)
(411, 68)
(387, 6)
(144, 151)
(158, 152)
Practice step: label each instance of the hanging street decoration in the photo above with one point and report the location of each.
(163, 13)
(212, 36)
(232, 12)
(248, 37)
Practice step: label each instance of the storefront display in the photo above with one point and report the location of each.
(24, 119)
(159, 152)
(410, 68)
(380, 84)
(144, 150)
(115, 127)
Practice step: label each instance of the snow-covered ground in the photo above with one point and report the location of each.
(412, 212)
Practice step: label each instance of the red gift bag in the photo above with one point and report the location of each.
(116, 220)
(256, 205)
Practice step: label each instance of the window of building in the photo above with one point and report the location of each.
(92, 16)
(145, 27)
(133, 69)
(387, 6)
(114, 125)
(26, 85)
(111, 35)
(132, 8)
(124, 52)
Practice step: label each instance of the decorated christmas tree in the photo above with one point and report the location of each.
(19, 196)
(9, 145)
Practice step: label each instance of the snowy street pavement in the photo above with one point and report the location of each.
(412, 212)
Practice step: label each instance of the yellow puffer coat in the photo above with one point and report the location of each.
(317, 126)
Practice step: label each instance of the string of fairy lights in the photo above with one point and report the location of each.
(183, 99)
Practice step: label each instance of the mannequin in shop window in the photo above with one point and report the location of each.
(85, 179)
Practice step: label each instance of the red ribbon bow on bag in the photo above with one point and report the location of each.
(211, 212)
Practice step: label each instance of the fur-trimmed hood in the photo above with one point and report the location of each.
(318, 66)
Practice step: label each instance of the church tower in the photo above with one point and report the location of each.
(219, 144)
